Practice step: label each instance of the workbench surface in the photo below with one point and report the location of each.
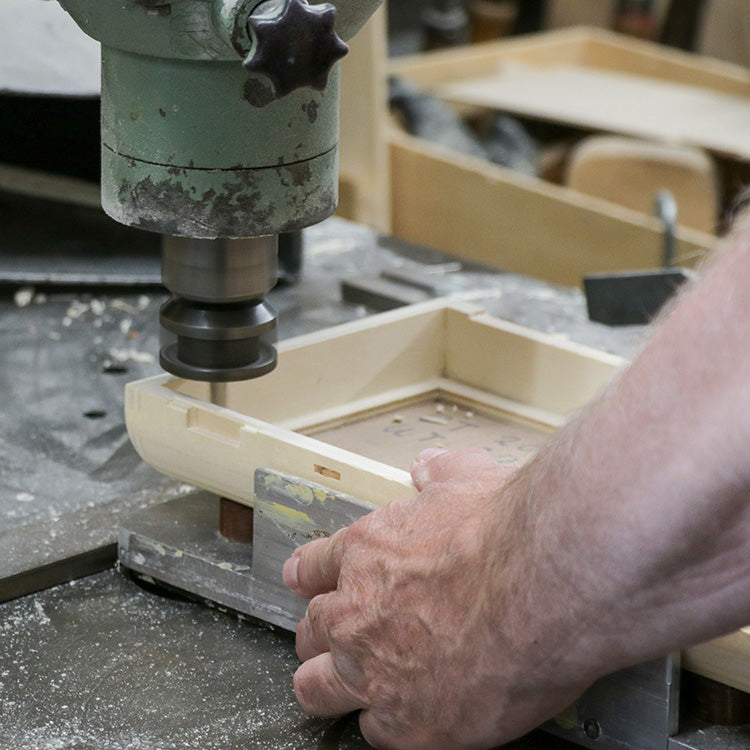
(100, 663)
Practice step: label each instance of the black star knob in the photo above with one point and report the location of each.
(294, 44)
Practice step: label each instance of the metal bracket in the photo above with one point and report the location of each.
(178, 544)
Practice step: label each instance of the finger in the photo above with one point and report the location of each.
(314, 569)
(312, 631)
(436, 466)
(320, 691)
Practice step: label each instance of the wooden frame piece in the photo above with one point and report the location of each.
(485, 213)
(346, 373)
(363, 151)
(582, 46)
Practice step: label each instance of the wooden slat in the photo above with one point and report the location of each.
(613, 101)
(491, 215)
(72, 190)
(726, 660)
(363, 163)
(595, 49)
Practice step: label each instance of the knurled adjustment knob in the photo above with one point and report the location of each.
(294, 44)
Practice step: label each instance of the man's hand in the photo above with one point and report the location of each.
(419, 616)
(466, 616)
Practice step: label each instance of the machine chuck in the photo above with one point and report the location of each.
(221, 327)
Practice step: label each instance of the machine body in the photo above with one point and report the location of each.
(219, 131)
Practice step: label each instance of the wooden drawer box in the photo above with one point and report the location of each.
(344, 400)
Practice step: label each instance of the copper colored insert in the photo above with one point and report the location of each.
(713, 702)
(235, 521)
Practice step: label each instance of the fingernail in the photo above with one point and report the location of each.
(429, 454)
(289, 573)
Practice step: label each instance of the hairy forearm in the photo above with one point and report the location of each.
(486, 604)
(638, 513)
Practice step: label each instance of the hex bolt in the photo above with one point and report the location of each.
(591, 729)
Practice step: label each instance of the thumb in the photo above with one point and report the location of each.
(438, 465)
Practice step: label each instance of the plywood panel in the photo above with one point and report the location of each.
(396, 436)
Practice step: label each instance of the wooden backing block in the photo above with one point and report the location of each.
(491, 19)
(631, 172)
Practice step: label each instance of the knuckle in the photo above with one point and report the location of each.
(302, 639)
(314, 612)
(302, 689)
(307, 564)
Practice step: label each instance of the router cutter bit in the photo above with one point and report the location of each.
(219, 131)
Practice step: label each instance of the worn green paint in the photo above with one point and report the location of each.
(186, 150)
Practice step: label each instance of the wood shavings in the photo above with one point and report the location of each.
(23, 296)
(434, 419)
(98, 307)
(76, 309)
(119, 304)
(124, 355)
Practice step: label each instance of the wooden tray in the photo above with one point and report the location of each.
(350, 406)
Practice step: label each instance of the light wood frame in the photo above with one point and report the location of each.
(350, 371)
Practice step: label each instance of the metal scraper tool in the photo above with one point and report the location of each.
(178, 544)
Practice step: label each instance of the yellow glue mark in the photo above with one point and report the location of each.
(300, 492)
(289, 516)
(321, 495)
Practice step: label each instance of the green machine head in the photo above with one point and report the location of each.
(219, 131)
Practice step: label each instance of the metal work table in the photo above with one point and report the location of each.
(98, 662)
